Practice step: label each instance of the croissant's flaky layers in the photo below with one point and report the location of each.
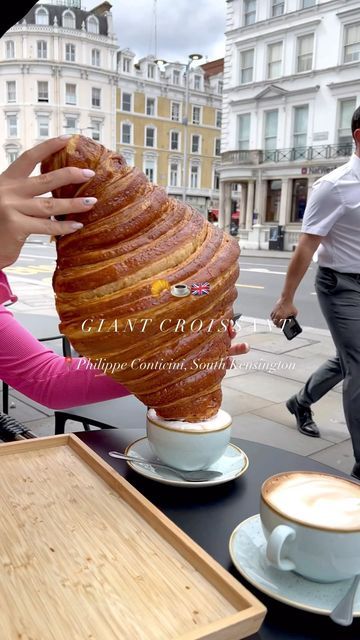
(134, 236)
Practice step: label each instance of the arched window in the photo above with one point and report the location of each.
(41, 16)
(68, 20)
(92, 24)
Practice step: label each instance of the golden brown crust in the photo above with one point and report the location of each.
(134, 236)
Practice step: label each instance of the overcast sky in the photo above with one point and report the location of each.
(183, 27)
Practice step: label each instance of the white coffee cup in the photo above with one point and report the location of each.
(189, 445)
(311, 522)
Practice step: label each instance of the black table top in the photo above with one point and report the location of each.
(210, 514)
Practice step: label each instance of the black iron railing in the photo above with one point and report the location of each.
(304, 154)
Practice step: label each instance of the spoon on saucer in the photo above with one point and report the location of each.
(343, 612)
(190, 476)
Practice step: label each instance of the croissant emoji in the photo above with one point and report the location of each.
(116, 281)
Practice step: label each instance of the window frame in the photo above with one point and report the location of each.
(11, 95)
(73, 17)
(247, 13)
(131, 129)
(243, 68)
(147, 128)
(70, 52)
(274, 5)
(176, 73)
(196, 166)
(217, 146)
(43, 12)
(41, 48)
(66, 127)
(43, 96)
(98, 99)
(193, 121)
(126, 62)
(92, 20)
(296, 134)
(154, 113)
(197, 82)
(347, 27)
(217, 119)
(95, 55)
(269, 63)
(299, 38)
(125, 93)
(9, 126)
(196, 135)
(70, 84)
(151, 71)
(171, 111)
(97, 129)
(178, 138)
(46, 134)
(178, 173)
(9, 49)
(240, 140)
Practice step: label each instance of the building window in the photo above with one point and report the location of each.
(42, 49)
(149, 136)
(92, 25)
(195, 143)
(352, 43)
(176, 76)
(271, 131)
(41, 16)
(220, 86)
(43, 126)
(174, 141)
(126, 102)
(246, 66)
(150, 106)
(244, 131)
(277, 8)
(96, 130)
(151, 71)
(12, 126)
(96, 97)
(345, 139)
(299, 198)
(175, 111)
(9, 49)
(174, 174)
(216, 181)
(70, 93)
(126, 133)
(70, 125)
(70, 52)
(274, 60)
(218, 118)
(194, 176)
(68, 20)
(300, 131)
(11, 91)
(197, 83)
(126, 65)
(196, 115)
(43, 91)
(11, 155)
(249, 12)
(273, 197)
(308, 3)
(305, 47)
(149, 169)
(218, 146)
(95, 57)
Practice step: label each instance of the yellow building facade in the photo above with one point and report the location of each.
(161, 126)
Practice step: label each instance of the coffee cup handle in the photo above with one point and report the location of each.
(278, 537)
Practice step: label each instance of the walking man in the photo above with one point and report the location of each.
(331, 224)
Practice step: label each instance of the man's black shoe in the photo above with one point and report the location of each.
(303, 415)
(356, 471)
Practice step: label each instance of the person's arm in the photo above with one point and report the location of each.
(323, 210)
(42, 375)
(284, 307)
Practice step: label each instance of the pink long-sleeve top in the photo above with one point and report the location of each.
(42, 375)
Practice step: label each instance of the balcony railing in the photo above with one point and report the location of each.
(302, 154)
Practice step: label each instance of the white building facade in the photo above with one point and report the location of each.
(291, 84)
(57, 75)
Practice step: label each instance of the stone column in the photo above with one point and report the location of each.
(227, 210)
(260, 199)
(284, 216)
(242, 220)
(221, 217)
(250, 204)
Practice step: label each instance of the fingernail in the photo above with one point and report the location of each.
(247, 346)
(89, 201)
(66, 136)
(77, 225)
(88, 173)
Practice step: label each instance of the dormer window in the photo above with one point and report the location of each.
(41, 16)
(68, 20)
(176, 77)
(93, 24)
(197, 83)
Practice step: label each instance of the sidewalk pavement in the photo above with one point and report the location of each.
(254, 393)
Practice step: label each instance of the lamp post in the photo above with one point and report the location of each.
(185, 119)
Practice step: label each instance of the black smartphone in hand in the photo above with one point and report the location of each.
(291, 328)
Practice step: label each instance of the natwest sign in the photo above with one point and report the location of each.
(316, 171)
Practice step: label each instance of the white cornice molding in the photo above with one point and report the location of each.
(282, 95)
(256, 37)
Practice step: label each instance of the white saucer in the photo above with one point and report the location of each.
(232, 464)
(247, 550)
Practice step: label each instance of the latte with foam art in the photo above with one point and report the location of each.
(315, 499)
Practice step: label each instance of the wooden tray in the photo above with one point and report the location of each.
(84, 556)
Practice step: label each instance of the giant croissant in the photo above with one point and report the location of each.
(113, 286)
